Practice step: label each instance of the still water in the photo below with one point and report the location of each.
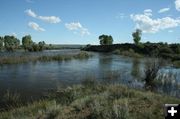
(31, 80)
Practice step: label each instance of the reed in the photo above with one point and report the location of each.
(27, 59)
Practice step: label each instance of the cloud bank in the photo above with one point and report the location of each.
(147, 24)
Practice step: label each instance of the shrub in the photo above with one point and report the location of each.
(129, 53)
(165, 50)
(151, 72)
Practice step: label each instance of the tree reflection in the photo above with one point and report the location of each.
(135, 68)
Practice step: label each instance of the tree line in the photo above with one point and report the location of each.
(108, 39)
(160, 49)
(11, 43)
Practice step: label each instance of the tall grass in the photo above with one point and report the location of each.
(168, 83)
(99, 102)
(10, 100)
(158, 81)
(26, 59)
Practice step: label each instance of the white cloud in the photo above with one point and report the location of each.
(150, 25)
(163, 10)
(76, 26)
(49, 19)
(177, 5)
(35, 26)
(73, 26)
(31, 13)
(85, 31)
(148, 12)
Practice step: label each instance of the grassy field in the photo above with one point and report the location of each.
(94, 101)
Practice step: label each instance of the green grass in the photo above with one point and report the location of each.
(95, 101)
(26, 59)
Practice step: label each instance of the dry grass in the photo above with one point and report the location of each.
(92, 101)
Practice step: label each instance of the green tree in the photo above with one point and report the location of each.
(137, 36)
(1, 42)
(35, 47)
(106, 40)
(11, 43)
(41, 45)
(27, 42)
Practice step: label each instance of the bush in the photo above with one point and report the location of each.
(165, 50)
(129, 53)
(151, 72)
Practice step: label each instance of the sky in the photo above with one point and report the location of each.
(83, 21)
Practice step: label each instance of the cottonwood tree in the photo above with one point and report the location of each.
(106, 39)
(41, 45)
(11, 43)
(137, 36)
(26, 42)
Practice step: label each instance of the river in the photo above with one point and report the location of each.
(31, 80)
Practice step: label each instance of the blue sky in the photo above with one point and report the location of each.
(82, 21)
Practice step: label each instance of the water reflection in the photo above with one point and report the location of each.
(136, 68)
(105, 62)
(31, 79)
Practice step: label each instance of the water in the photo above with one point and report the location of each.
(31, 80)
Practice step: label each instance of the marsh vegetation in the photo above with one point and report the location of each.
(92, 100)
(71, 83)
